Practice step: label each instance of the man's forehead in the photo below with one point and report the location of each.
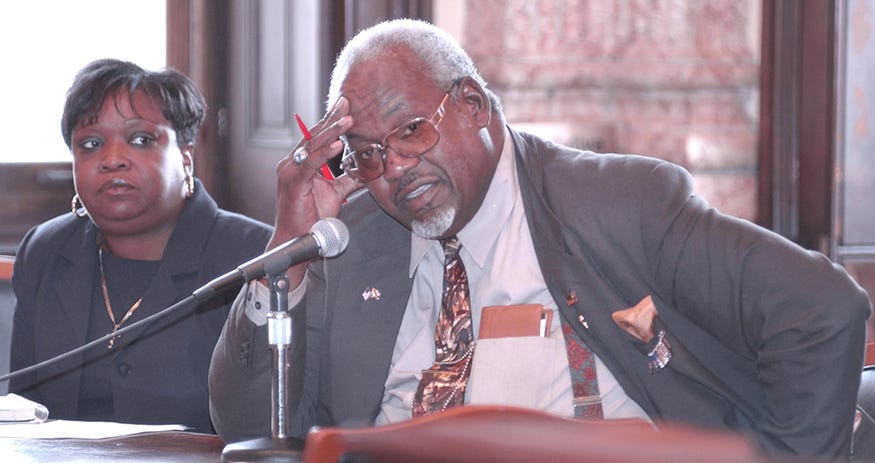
(375, 113)
(386, 90)
(384, 103)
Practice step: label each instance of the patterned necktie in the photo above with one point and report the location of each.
(584, 383)
(443, 385)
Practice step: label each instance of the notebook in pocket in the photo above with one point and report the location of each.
(501, 321)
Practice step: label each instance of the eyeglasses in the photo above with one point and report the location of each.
(410, 139)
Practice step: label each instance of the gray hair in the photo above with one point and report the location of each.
(441, 54)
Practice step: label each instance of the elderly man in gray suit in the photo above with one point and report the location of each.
(659, 306)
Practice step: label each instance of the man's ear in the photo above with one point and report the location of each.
(474, 99)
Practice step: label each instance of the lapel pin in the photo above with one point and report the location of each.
(571, 299)
(371, 293)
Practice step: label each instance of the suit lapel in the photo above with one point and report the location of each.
(75, 281)
(585, 296)
(370, 305)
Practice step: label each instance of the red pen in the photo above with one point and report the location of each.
(326, 171)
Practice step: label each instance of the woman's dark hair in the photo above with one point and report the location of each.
(181, 102)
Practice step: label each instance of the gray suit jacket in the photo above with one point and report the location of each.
(767, 337)
(161, 377)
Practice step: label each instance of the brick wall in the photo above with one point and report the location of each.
(675, 79)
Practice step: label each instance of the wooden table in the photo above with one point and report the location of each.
(163, 447)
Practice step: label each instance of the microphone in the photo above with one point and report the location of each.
(327, 238)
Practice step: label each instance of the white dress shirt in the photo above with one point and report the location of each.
(502, 269)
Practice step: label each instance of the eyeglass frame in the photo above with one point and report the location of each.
(348, 159)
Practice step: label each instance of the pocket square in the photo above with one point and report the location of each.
(638, 322)
(638, 319)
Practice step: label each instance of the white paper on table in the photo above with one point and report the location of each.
(17, 409)
(60, 429)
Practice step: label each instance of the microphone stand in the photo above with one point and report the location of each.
(279, 447)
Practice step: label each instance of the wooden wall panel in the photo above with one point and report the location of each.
(273, 73)
(32, 193)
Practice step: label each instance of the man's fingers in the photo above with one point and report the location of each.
(346, 185)
(299, 156)
(331, 126)
(331, 133)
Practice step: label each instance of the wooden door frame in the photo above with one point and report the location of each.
(196, 46)
(797, 120)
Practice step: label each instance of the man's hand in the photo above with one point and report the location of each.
(303, 195)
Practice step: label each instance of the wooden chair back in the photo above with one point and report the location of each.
(864, 421)
(6, 264)
(869, 359)
(515, 435)
(7, 309)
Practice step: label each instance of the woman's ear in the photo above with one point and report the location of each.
(188, 168)
(188, 159)
(475, 101)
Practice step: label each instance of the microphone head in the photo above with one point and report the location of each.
(331, 235)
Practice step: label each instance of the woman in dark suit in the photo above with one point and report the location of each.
(143, 234)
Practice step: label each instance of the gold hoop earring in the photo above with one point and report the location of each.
(188, 185)
(76, 207)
